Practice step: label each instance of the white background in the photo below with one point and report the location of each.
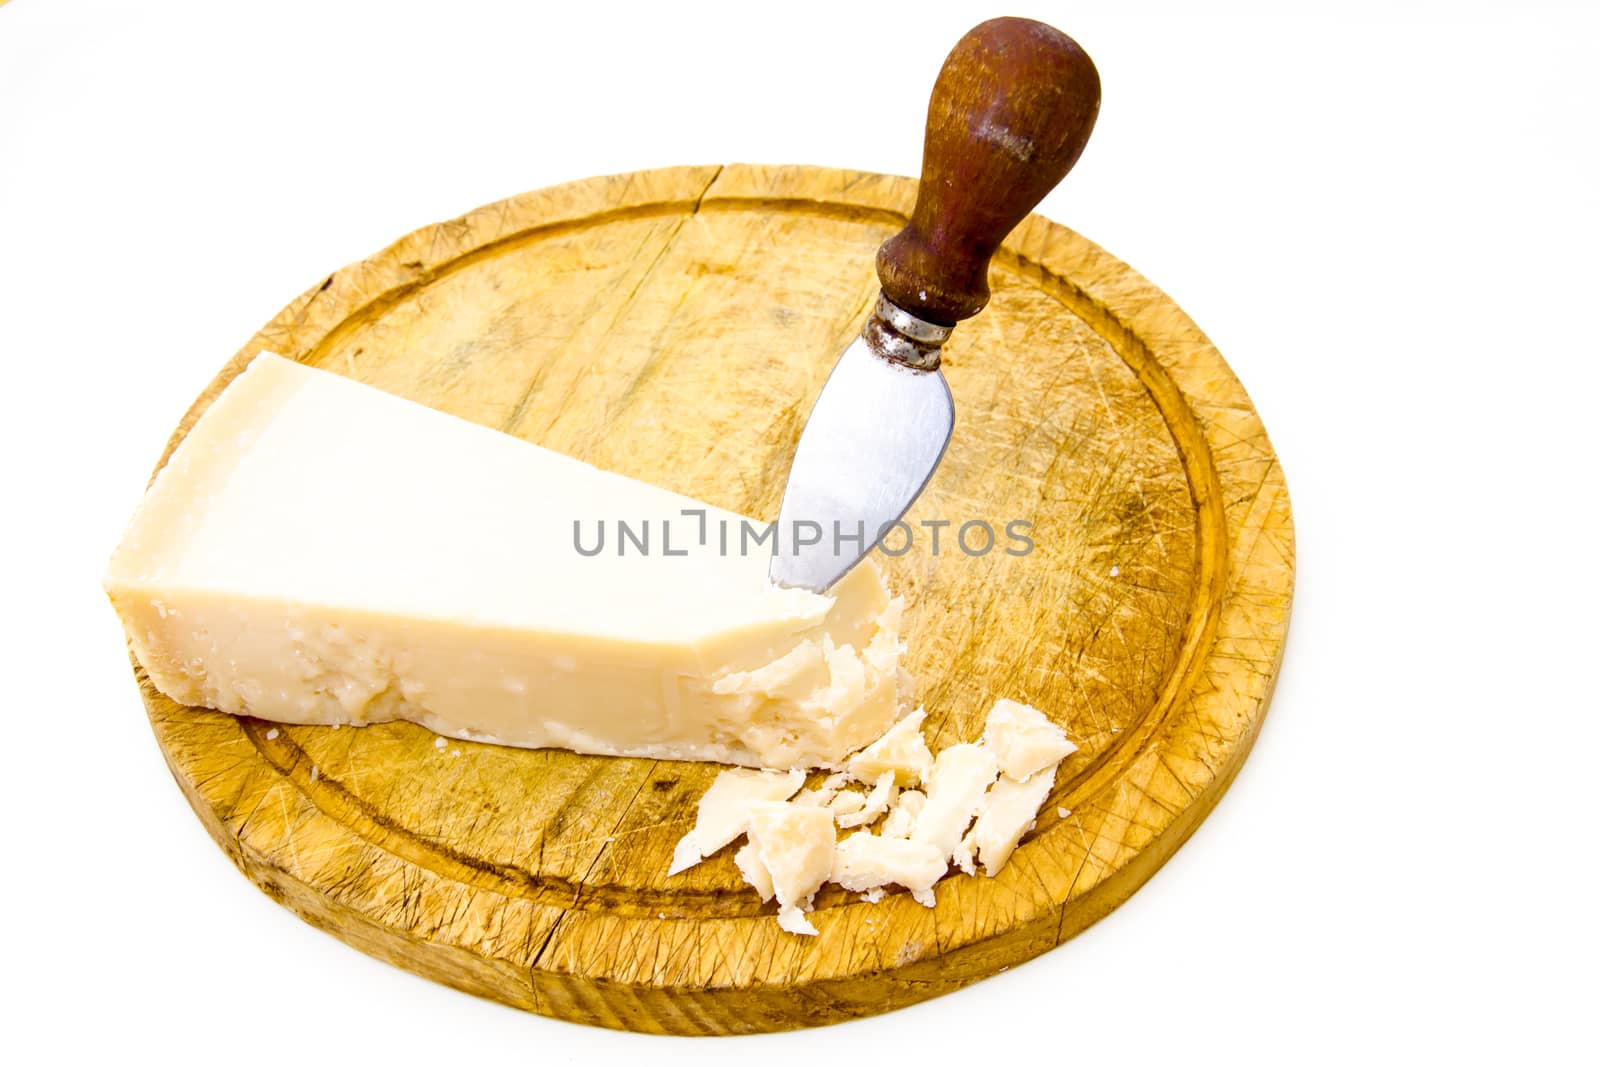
(1384, 215)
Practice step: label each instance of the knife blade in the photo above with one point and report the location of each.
(1009, 115)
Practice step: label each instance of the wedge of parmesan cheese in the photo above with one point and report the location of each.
(794, 846)
(724, 811)
(1023, 740)
(961, 775)
(320, 551)
(864, 861)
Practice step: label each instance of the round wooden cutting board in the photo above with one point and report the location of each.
(675, 326)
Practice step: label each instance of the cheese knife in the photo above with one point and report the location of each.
(1010, 113)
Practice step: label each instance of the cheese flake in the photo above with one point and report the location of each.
(864, 862)
(963, 856)
(847, 803)
(1023, 740)
(755, 872)
(1009, 811)
(795, 845)
(873, 805)
(961, 776)
(903, 816)
(822, 796)
(972, 812)
(901, 750)
(724, 811)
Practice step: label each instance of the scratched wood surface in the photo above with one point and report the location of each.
(675, 325)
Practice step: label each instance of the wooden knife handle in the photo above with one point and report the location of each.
(1010, 113)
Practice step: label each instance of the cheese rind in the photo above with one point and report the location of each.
(319, 551)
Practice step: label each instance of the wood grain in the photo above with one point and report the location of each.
(675, 325)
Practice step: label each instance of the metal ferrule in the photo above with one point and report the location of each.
(899, 336)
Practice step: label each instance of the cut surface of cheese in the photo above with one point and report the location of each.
(319, 551)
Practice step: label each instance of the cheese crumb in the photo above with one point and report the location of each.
(272, 734)
(962, 857)
(901, 750)
(1009, 811)
(794, 845)
(873, 806)
(864, 861)
(1023, 740)
(908, 805)
(847, 802)
(794, 921)
(823, 794)
(961, 775)
(724, 811)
